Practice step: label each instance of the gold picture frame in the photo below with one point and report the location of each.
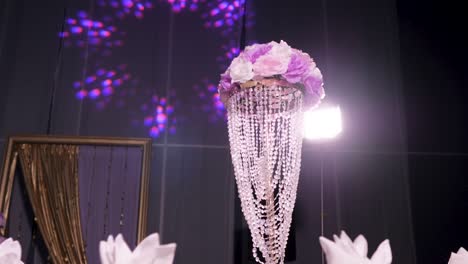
(8, 169)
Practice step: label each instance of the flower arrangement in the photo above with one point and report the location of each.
(276, 63)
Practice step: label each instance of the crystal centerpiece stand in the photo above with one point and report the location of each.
(265, 135)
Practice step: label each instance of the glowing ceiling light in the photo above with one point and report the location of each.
(322, 123)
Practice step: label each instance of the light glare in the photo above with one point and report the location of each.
(322, 123)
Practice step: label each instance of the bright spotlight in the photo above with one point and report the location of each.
(322, 123)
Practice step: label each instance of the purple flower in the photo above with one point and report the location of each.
(313, 99)
(252, 53)
(313, 81)
(225, 82)
(298, 66)
(313, 84)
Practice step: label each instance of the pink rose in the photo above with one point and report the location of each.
(275, 61)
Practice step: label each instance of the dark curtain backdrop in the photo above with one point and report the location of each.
(358, 182)
(434, 55)
(109, 179)
(21, 224)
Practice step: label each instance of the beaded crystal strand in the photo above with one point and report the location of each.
(265, 134)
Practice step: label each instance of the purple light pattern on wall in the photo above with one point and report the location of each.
(180, 5)
(226, 15)
(230, 50)
(99, 35)
(124, 8)
(159, 116)
(101, 85)
(207, 93)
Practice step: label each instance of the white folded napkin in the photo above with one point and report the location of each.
(149, 251)
(461, 257)
(344, 251)
(10, 252)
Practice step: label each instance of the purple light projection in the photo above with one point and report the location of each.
(226, 15)
(114, 84)
(159, 116)
(230, 51)
(126, 8)
(207, 93)
(180, 5)
(101, 85)
(98, 35)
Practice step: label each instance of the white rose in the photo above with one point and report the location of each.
(281, 49)
(241, 70)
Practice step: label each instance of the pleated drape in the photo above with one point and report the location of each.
(51, 178)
